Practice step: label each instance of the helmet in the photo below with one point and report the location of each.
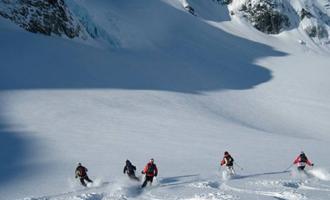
(151, 160)
(226, 153)
(79, 164)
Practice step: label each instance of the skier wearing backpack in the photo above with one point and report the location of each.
(129, 169)
(301, 161)
(228, 161)
(81, 173)
(150, 171)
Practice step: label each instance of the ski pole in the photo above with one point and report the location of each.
(241, 168)
(288, 167)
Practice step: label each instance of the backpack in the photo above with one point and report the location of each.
(303, 158)
(230, 160)
(151, 169)
(80, 171)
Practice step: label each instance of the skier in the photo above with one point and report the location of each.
(150, 171)
(228, 161)
(190, 9)
(81, 172)
(129, 169)
(301, 161)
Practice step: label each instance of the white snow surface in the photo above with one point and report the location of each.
(181, 89)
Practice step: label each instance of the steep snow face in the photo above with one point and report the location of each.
(104, 37)
(42, 16)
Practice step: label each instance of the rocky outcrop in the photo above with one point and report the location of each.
(275, 16)
(315, 22)
(42, 16)
(318, 31)
(266, 16)
(304, 13)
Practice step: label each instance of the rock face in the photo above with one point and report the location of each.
(42, 16)
(304, 13)
(318, 31)
(275, 16)
(315, 22)
(266, 15)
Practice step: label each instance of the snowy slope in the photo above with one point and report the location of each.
(179, 88)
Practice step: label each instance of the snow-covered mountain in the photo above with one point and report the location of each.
(180, 81)
(72, 19)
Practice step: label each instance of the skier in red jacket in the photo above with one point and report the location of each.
(150, 171)
(301, 161)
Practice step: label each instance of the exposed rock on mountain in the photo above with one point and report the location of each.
(266, 16)
(42, 16)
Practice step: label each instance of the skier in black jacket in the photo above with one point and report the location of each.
(228, 161)
(129, 169)
(81, 173)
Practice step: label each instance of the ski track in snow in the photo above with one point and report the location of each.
(285, 195)
(199, 189)
(90, 192)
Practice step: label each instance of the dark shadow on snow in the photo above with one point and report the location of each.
(175, 179)
(293, 185)
(14, 150)
(180, 59)
(278, 198)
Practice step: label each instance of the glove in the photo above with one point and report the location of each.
(156, 175)
(76, 176)
(312, 164)
(142, 172)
